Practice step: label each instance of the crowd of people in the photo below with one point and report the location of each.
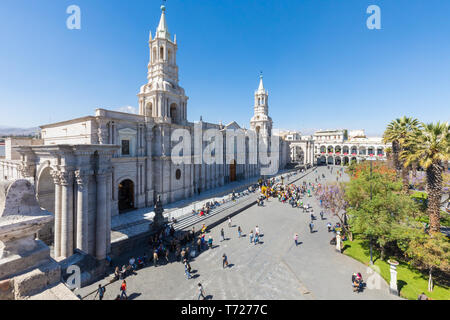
(169, 245)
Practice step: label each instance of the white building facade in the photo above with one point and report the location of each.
(90, 169)
(341, 147)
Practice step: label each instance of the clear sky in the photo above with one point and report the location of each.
(322, 66)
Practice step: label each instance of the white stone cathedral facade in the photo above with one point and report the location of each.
(90, 169)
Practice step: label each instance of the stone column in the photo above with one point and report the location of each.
(57, 235)
(393, 283)
(338, 241)
(100, 223)
(66, 214)
(149, 167)
(82, 178)
(108, 212)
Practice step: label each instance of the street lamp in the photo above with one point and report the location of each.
(371, 159)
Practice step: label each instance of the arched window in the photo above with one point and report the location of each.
(154, 55)
(174, 113)
(169, 55)
(149, 111)
(161, 53)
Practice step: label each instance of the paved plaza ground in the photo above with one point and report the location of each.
(274, 269)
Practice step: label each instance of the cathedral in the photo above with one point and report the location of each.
(90, 169)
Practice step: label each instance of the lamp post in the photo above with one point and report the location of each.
(371, 159)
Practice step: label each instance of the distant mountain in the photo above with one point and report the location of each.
(9, 131)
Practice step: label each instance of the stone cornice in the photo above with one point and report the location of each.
(57, 124)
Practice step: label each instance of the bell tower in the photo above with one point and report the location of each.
(261, 122)
(162, 99)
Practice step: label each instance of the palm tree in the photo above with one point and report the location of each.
(399, 132)
(431, 150)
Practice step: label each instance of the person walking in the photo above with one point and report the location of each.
(186, 271)
(222, 235)
(100, 291)
(210, 242)
(239, 231)
(201, 292)
(199, 244)
(296, 239)
(311, 227)
(187, 265)
(229, 222)
(224, 261)
(256, 238)
(329, 226)
(251, 236)
(321, 215)
(257, 230)
(155, 258)
(123, 289)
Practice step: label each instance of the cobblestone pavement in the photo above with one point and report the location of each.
(274, 269)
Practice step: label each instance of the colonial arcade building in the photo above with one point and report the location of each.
(340, 147)
(88, 170)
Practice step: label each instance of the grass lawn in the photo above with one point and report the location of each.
(410, 282)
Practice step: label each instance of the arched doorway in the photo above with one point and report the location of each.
(346, 161)
(330, 160)
(45, 190)
(233, 171)
(337, 161)
(126, 196)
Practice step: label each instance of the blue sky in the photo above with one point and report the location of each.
(322, 66)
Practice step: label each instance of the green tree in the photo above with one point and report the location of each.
(430, 252)
(400, 132)
(431, 149)
(384, 218)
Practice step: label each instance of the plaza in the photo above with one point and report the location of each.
(104, 182)
(274, 269)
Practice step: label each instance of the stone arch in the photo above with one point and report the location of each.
(345, 150)
(346, 161)
(371, 150)
(330, 160)
(45, 196)
(353, 159)
(337, 161)
(380, 151)
(354, 150)
(330, 149)
(322, 160)
(338, 149)
(45, 189)
(323, 149)
(362, 150)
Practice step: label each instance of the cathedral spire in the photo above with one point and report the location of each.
(261, 89)
(163, 30)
